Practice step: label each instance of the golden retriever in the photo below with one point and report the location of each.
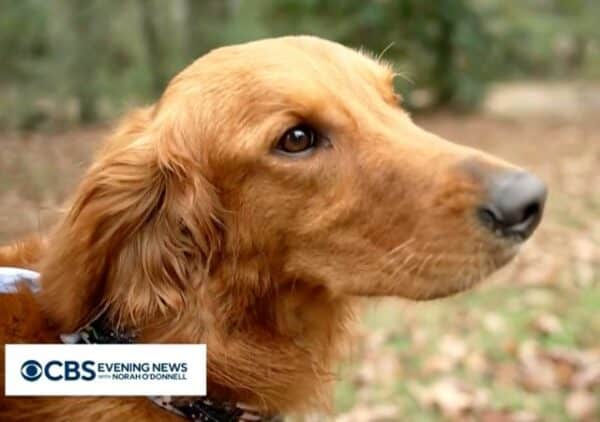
(271, 184)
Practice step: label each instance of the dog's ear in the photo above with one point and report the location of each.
(140, 232)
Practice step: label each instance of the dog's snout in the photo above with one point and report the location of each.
(515, 204)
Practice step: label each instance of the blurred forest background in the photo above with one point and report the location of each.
(72, 61)
(520, 79)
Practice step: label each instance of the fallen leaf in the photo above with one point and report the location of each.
(452, 397)
(507, 416)
(547, 324)
(494, 323)
(438, 364)
(362, 413)
(536, 373)
(452, 350)
(588, 377)
(477, 362)
(495, 416)
(453, 347)
(524, 416)
(383, 368)
(581, 405)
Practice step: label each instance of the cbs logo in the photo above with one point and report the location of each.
(56, 370)
(31, 370)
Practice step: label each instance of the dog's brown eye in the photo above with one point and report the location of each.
(297, 139)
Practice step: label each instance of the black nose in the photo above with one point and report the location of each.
(515, 204)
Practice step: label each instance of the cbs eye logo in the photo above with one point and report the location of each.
(31, 370)
(57, 370)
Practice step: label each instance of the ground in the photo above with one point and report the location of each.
(525, 346)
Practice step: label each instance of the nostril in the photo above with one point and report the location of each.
(488, 217)
(531, 211)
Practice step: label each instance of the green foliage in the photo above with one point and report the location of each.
(67, 61)
(441, 45)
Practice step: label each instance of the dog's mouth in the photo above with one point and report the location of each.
(507, 253)
(438, 277)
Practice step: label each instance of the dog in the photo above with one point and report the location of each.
(272, 184)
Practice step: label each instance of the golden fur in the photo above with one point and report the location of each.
(189, 228)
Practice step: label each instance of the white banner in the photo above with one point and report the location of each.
(105, 370)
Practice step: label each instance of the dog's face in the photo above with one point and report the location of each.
(321, 172)
(291, 160)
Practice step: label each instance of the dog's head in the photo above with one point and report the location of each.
(279, 162)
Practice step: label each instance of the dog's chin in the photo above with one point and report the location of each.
(504, 254)
(451, 286)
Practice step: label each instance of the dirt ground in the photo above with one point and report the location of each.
(523, 347)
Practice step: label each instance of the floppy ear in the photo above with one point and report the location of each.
(140, 232)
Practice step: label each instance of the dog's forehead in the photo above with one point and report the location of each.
(301, 77)
(321, 60)
(307, 64)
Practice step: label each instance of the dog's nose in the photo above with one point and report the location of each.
(515, 204)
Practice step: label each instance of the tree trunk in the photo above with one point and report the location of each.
(153, 46)
(203, 19)
(444, 60)
(84, 66)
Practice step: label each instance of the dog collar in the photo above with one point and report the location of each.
(199, 409)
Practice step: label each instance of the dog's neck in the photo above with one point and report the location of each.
(272, 343)
(276, 352)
